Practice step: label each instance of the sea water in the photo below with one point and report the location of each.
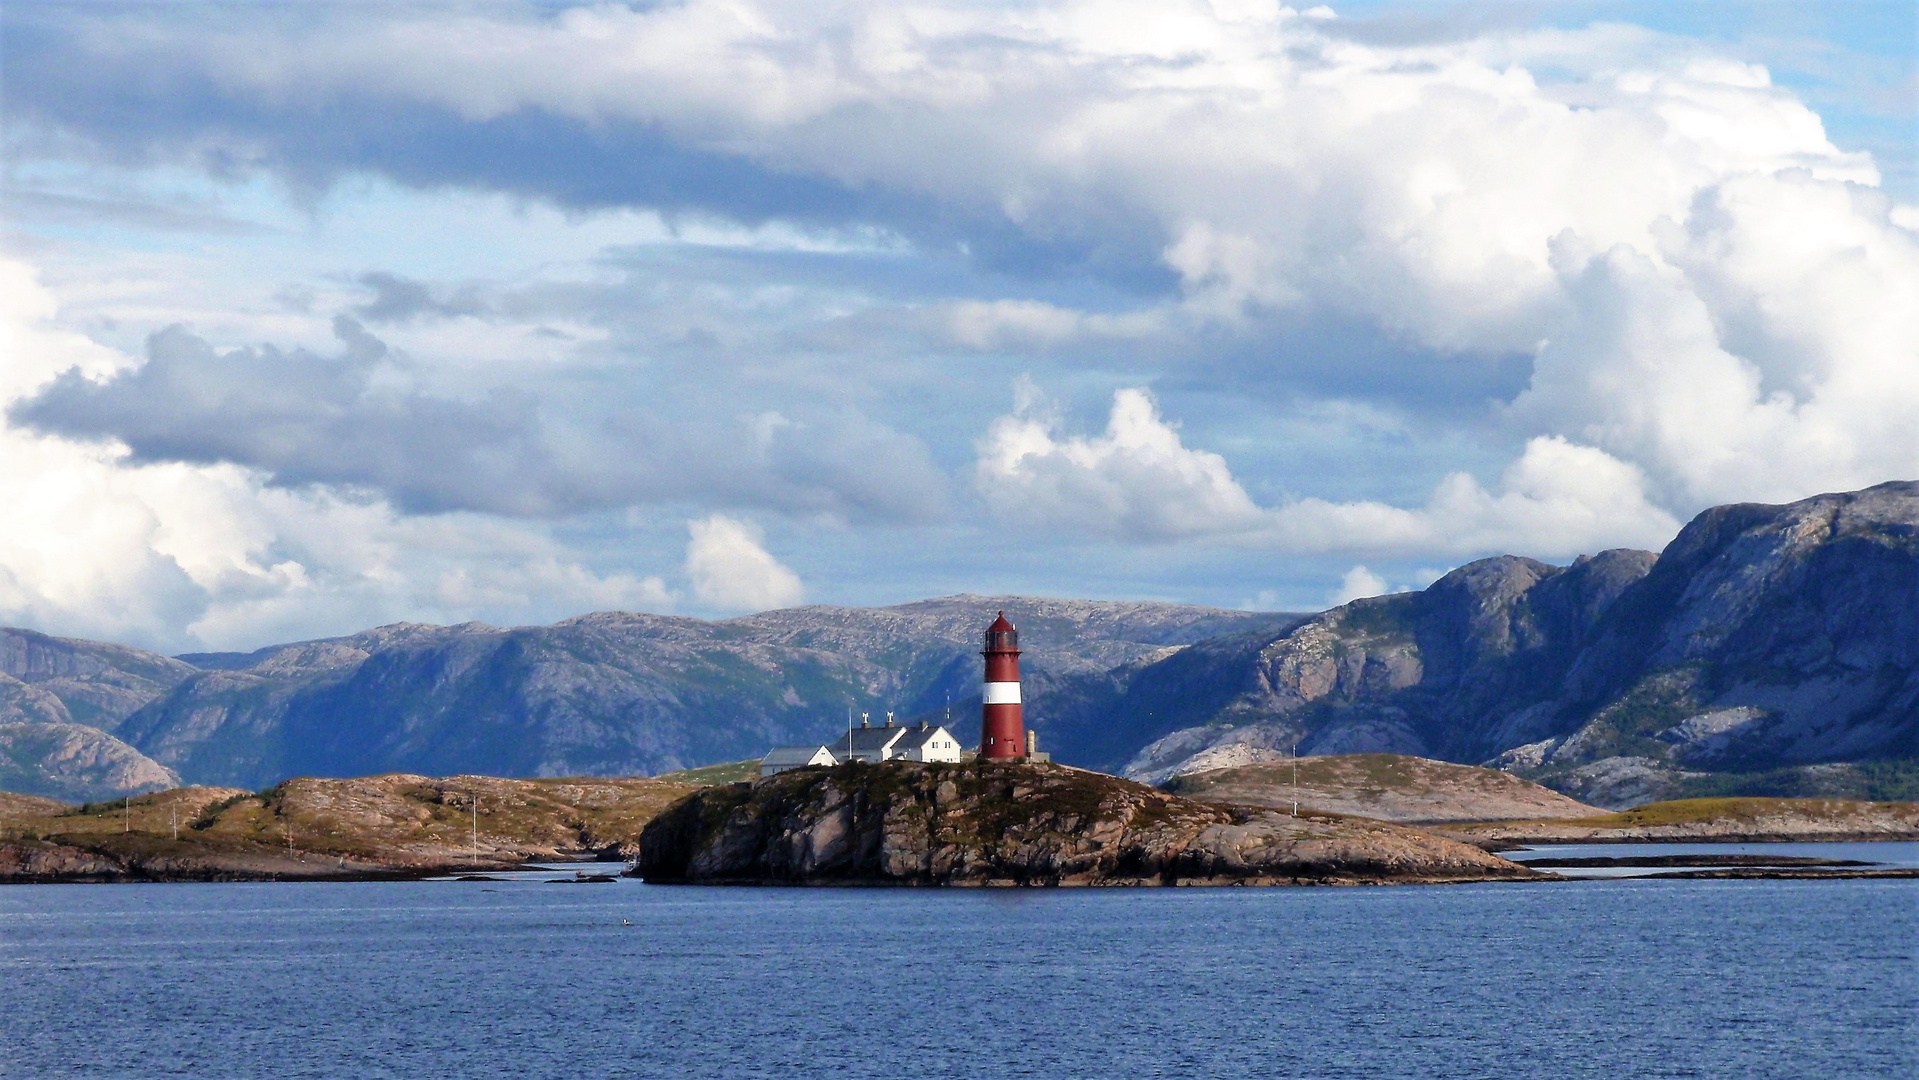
(1613, 979)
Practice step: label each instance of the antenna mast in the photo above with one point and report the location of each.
(1295, 756)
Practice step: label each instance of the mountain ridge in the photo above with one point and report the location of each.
(1764, 639)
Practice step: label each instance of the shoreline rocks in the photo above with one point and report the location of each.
(1024, 824)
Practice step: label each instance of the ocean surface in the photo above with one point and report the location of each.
(1612, 978)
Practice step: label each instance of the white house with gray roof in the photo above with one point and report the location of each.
(786, 758)
(920, 742)
(890, 742)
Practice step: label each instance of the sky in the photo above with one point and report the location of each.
(322, 316)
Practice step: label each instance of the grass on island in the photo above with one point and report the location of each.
(1696, 811)
(1895, 780)
(1836, 813)
(730, 772)
(393, 818)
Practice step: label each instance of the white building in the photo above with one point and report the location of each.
(927, 742)
(921, 742)
(785, 758)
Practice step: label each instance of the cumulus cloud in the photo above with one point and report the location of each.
(1357, 583)
(1137, 481)
(360, 419)
(1140, 482)
(1762, 352)
(1636, 260)
(1232, 160)
(731, 570)
(180, 556)
(1180, 136)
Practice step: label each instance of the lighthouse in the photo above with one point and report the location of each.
(1002, 734)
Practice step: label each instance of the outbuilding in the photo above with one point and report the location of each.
(786, 758)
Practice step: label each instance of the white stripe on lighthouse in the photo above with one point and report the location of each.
(1000, 693)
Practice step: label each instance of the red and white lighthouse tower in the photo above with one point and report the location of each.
(1002, 728)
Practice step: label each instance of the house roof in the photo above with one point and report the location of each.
(793, 755)
(920, 735)
(869, 740)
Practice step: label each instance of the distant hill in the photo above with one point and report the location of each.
(53, 680)
(623, 694)
(1385, 787)
(1763, 638)
(392, 825)
(1768, 650)
(59, 697)
(75, 762)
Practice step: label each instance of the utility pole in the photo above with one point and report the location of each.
(173, 815)
(1295, 755)
(476, 829)
(126, 813)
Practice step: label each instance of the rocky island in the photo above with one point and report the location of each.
(396, 825)
(1707, 821)
(1387, 787)
(988, 823)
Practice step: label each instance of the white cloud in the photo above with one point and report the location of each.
(1137, 481)
(731, 569)
(1557, 500)
(1423, 188)
(1717, 301)
(1140, 482)
(1771, 353)
(1356, 584)
(179, 556)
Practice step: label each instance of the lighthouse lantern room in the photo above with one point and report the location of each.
(1002, 719)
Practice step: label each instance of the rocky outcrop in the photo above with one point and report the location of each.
(1386, 787)
(395, 825)
(1022, 824)
(75, 763)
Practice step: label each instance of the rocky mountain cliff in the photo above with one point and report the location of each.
(57, 697)
(1763, 637)
(1766, 642)
(75, 763)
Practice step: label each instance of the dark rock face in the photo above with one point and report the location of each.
(1013, 824)
(1763, 637)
